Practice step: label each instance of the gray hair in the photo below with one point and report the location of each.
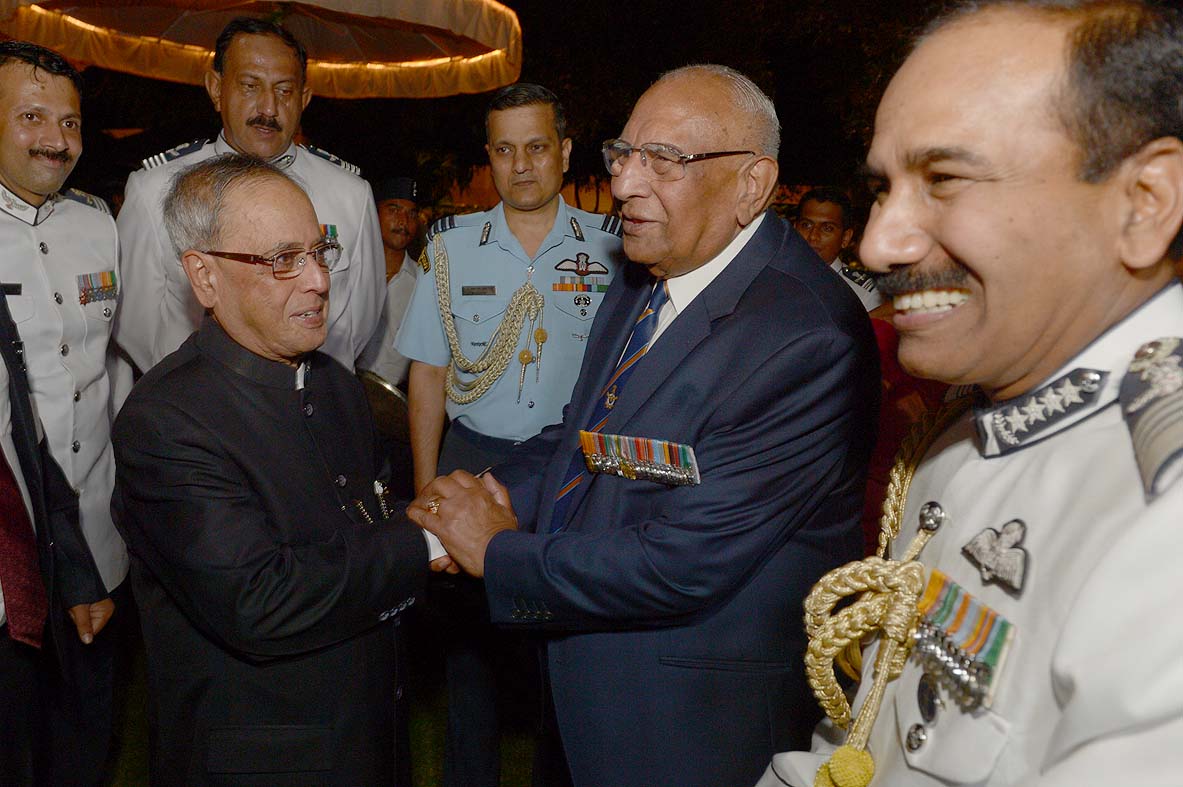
(748, 98)
(1124, 73)
(194, 202)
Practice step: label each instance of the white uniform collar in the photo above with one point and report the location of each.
(283, 160)
(16, 207)
(1082, 387)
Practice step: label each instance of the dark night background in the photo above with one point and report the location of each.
(823, 62)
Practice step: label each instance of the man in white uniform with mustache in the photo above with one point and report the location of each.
(1028, 171)
(258, 86)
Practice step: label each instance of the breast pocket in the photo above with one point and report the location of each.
(942, 740)
(579, 300)
(341, 267)
(21, 307)
(476, 319)
(100, 311)
(98, 294)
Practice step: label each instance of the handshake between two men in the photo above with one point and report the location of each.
(464, 512)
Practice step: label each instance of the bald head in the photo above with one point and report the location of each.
(754, 113)
(680, 220)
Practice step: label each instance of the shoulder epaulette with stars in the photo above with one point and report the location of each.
(90, 200)
(442, 224)
(1152, 403)
(172, 153)
(332, 159)
(859, 277)
(1026, 419)
(612, 224)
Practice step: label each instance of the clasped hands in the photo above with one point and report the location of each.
(464, 512)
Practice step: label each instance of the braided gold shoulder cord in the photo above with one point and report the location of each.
(526, 301)
(890, 590)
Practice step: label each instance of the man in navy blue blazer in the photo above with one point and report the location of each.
(709, 468)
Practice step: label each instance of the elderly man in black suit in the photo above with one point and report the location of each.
(265, 562)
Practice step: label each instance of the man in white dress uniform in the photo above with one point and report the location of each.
(257, 84)
(1028, 166)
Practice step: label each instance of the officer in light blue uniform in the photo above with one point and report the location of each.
(496, 331)
(487, 264)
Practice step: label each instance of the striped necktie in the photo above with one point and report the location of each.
(25, 600)
(638, 344)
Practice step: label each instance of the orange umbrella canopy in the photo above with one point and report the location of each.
(356, 48)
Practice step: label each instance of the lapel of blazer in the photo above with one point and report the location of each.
(693, 325)
(683, 335)
(608, 345)
(620, 309)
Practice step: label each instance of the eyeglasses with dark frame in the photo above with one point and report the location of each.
(665, 161)
(288, 263)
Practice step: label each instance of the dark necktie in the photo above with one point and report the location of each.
(25, 601)
(638, 344)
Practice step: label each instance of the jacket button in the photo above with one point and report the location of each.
(43, 247)
(57, 298)
(339, 480)
(64, 349)
(308, 409)
(77, 395)
(106, 311)
(75, 446)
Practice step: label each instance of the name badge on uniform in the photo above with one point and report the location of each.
(98, 286)
(961, 642)
(640, 458)
(479, 289)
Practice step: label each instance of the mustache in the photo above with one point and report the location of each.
(265, 122)
(905, 279)
(54, 155)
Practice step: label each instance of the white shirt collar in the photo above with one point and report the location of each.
(685, 288)
(283, 160)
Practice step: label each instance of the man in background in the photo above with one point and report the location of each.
(496, 332)
(398, 219)
(825, 220)
(61, 285)
(257, 85)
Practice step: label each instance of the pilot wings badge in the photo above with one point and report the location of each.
(582, 265)
(999, 557)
